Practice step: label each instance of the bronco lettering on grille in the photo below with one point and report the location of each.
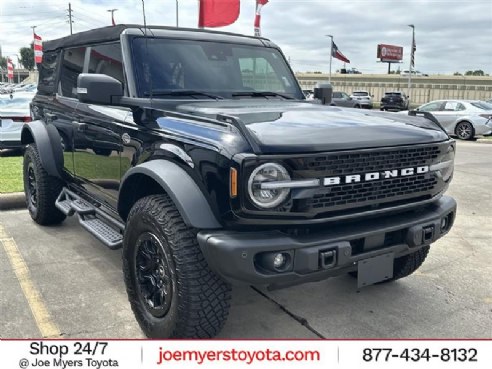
(374, 176)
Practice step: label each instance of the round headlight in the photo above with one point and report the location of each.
(268, 198)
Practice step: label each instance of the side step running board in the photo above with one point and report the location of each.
(95, 221)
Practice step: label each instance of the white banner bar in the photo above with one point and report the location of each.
(241, 354)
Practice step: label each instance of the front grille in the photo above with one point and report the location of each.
(372, 194)
(368, 161)
(382, 191)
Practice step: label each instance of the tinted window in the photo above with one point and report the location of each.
(107, 59)
(72, 66)
(337, 95)
(433, 106)
(47, 72)
(258, 74)
(450, 106)
(218, 68)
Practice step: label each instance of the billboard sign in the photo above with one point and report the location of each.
(390, 53)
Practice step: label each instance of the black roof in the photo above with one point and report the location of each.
(112, 33)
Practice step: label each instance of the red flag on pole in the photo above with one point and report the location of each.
(38, 49)
(10, 69)
(337, 54)
(218, 13)
(259, 5)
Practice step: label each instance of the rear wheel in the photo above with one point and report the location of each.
(41, 190)
(172, 291)
(465, 130)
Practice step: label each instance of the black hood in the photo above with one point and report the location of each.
(284, 126)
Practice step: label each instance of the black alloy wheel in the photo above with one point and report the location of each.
(154, 275)
(32, 188)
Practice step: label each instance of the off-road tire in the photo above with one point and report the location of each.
(47, 188)
(200, 299)
(405, 265)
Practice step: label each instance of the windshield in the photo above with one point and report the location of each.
(182, 68)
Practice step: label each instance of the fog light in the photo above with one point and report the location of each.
(279, 261)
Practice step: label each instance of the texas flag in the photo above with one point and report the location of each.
(337, 54)
(38, 49)
(218, 13)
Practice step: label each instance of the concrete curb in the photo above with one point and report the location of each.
(10, 201)
(484, 141)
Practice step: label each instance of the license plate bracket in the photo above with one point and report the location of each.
(375, 269)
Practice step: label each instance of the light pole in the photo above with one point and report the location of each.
(411, 61)
(177, 13)
(112, 15)
(331, 55)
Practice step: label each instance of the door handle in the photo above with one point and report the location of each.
(81, 127)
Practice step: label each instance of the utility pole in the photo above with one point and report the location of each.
(331, 54)
(112, 16)
(70, 21)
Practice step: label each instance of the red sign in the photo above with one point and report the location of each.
(218, 13)
(390, 53)
(38, 49)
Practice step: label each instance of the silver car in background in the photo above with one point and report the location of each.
(14, 112)
(364, 98)
(463, 118)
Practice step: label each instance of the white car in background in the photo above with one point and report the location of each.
(463, 118)
(14, 112)
(364, 98)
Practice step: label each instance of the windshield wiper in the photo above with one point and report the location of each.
(261, 94)
(160, 92)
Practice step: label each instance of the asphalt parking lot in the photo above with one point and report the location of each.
(60, 281)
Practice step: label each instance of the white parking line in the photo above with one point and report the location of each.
(46, 325)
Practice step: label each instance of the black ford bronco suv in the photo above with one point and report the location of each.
(197, 153)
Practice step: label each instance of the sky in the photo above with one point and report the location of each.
(451, 35)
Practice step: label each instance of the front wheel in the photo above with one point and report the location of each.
(172, 292)
(465, 131)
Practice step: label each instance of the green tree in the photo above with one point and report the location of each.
(477, 72)
(457, 74)
(3, 62)
(27, 56)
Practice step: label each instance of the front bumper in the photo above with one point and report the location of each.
(235, 255)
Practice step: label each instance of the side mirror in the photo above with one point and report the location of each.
(324, 93)
(99, 89)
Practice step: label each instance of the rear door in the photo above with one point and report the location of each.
(449, 114)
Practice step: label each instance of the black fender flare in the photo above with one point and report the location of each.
(185, 193)
(48, 143)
